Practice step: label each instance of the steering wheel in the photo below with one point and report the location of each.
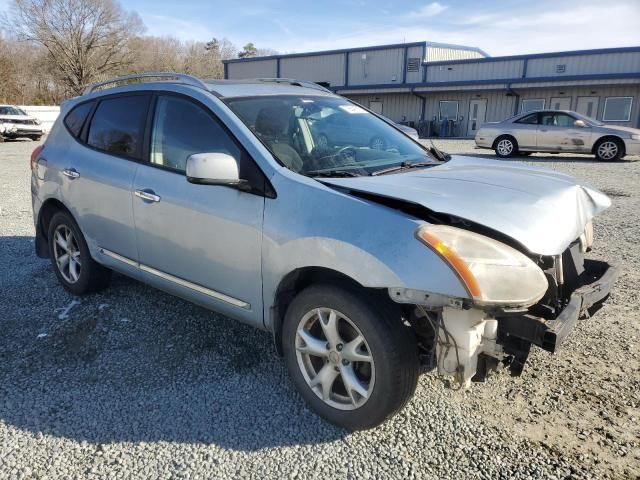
(346, 154)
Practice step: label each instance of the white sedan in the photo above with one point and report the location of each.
(557, 131)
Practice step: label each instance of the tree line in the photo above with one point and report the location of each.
(52, 49)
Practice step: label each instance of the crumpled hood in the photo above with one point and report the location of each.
(541, 209)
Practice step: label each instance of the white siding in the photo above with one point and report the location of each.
(396, 106)
(585, 64)
(442, 54)
(379, 66)
(499, 106)
(316, 68)
(415, 52)
(252, 69)
(475, 71)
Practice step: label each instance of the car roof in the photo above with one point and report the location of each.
(220, 88)
(260, 87)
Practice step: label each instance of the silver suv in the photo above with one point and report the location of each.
(368, 263)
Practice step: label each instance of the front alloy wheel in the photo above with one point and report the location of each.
(334, 359)
(349, 354)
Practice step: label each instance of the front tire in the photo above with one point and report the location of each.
(76, 270)
(352, 360)
(609, 150)
(506, 147)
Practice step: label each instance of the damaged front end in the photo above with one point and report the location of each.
(467, 339)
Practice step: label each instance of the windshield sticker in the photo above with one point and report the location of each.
(352, 109)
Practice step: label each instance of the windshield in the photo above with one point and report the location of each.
(327, 135)
(11, 111)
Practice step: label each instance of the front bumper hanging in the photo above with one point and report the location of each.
(596, 282)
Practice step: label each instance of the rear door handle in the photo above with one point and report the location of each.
(71, 173)
(147, 195)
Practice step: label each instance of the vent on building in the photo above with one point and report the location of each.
(561, 68)
(413, 64)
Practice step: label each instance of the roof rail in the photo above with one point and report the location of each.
(179, 77)
(297, 83)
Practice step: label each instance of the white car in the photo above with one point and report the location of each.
(558, 131)
(16, 123)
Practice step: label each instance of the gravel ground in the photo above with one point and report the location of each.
(134, 383)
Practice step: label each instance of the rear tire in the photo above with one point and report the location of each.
(354, 387)
(76, 270)
(506, 146)
(609, 150)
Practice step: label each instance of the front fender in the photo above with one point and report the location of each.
(312, 225)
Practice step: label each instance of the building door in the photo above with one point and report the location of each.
(561, 103)
(588, 106)
(477, 115)
(376, 107)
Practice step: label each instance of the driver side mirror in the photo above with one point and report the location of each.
(579, 123)
(215, 169)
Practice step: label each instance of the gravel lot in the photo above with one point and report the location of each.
(134, 383)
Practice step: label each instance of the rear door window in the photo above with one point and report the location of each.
(76, 117)
(117, 126)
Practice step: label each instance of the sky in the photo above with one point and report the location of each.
(499, 27)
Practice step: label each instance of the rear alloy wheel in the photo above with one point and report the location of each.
(76, 270)
(506, 147)
(608, 150)
(353, 361)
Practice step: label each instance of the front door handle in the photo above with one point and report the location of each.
(71, 173)
(147, 195)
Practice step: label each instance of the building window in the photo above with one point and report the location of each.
(413, 64)
(561, 68)
(531, 104)
(617, 109)
(448, 110)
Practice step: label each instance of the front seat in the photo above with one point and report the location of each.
(271, 126)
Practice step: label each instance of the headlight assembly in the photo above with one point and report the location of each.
(492, 272)
(635, 136)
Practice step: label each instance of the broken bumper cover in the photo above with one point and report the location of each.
(598, 279)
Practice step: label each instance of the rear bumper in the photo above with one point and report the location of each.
(585, 300)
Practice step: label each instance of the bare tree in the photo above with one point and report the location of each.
(85, 39)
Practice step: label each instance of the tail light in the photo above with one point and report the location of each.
(35, 155)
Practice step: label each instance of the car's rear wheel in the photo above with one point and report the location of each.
(76, 270)
(354, 362)
(506, 146)
(609, 149)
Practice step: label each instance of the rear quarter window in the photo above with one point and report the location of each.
(117, 126)
(76, 117)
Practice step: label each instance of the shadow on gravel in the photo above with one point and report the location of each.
(539, 157)
(135, 364)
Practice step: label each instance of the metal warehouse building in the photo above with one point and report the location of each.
(450, 90)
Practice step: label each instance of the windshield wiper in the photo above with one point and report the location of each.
(402, 166)
(331, 173)
(439, 154)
